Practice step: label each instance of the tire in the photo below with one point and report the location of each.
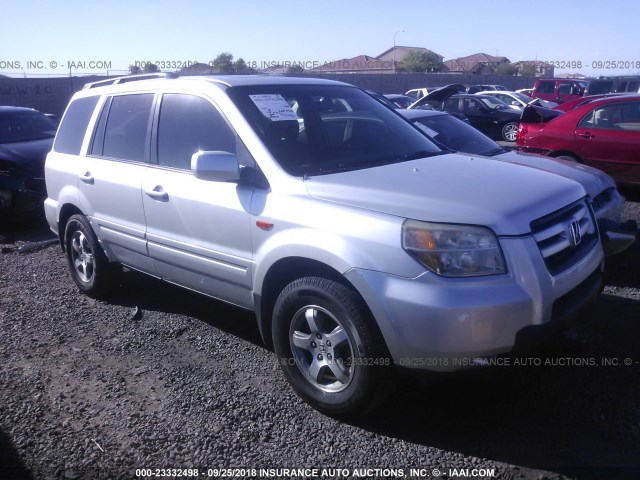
(509, 132)
(329, 349)
(89, 266)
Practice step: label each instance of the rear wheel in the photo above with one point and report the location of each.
(89, 266)
(330, 351)
(510, 132)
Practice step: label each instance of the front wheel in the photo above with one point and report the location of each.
(510, 132)
(329, 349)
(89, 266)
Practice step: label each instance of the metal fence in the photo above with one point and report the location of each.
(51, 95)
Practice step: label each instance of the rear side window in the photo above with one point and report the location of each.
(127, 132)
(617, 116)
(599, 87)
(570, 89)
(189, 124)
(74, 125)
(546, 87)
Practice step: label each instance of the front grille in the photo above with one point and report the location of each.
(560, 247)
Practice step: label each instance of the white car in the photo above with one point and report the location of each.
(517, 100)
(418, 93)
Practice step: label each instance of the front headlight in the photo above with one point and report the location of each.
(453, 250)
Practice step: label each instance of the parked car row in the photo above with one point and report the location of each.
(599, 130)
(556, 90)
(362, 243)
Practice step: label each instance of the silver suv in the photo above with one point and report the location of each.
(359, 243)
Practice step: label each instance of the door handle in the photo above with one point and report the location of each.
(586, 135)
(158, 193)
(87, 178)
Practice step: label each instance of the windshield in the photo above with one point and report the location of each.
(25, 125)
(457, 135)
(315, 129)
(494, 103)
(520, 96)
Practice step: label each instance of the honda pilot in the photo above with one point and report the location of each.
(361, 245)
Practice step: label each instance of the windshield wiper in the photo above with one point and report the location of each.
(494, 152)
(341, 167)
(419, 154)
(345, 167)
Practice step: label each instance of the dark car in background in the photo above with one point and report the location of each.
(26, 136)
(603, 132)
(621, 84)
(491, 116)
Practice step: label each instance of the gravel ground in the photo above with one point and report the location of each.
(159, 378)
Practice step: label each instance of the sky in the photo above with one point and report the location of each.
(87, 36)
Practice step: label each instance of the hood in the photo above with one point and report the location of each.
(452, 188)
(26, 153)
(439, 95)
(592, 180)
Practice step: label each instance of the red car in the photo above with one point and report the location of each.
(603, 133)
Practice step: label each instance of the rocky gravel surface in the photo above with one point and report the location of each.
(155, 377)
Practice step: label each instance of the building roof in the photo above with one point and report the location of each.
(475, 63)
(401, 51)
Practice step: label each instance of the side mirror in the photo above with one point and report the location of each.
(215, 166)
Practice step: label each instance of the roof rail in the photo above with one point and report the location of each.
(130, 78)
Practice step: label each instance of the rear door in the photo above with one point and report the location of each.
(198, 231)
(111, 176)
(609, 139)
(478, 114)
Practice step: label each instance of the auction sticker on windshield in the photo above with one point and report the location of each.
(274, 107)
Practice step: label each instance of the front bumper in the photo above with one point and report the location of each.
(616, 236)
(444, 324)
(21, 195)
(19, 204)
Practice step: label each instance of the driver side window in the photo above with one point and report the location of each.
(189, 124)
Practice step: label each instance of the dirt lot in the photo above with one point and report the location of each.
(156, 377)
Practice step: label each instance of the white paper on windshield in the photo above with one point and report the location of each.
(274, 107)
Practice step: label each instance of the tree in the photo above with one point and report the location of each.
(506, 69)
(134, 69)
(295, 69)
(224, 63)
(421, 61)
(150, 68)
(240, 66)
(528, 70)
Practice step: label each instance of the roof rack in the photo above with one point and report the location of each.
(130, 78)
